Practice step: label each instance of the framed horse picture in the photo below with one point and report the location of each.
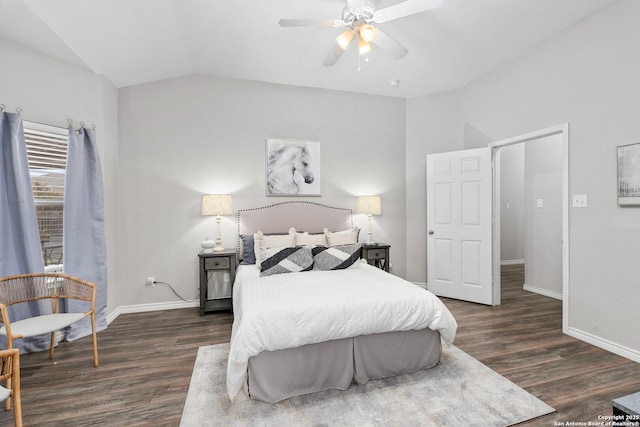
(293, 167)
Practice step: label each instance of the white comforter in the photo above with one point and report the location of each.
(290, 310)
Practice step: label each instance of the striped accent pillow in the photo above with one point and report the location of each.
(335, 257)
(285, 260)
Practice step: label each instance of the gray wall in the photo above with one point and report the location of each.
(530, 171)
(543, 225)
(184, 137)
(586, 76)
(512, 206)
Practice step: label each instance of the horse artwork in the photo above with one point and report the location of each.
(293, 168)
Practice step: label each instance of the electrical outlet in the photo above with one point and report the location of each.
(151, 282)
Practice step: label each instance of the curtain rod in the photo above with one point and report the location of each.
(3, 107)
(19, 111)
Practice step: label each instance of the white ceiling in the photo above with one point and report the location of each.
(138, 41)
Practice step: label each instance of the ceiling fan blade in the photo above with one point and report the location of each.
(405, 8)
(389, 45)
(334, 55)
(335, 23)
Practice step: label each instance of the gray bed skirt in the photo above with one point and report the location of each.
(277, 375)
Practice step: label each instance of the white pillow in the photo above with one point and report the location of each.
(305, 238)
(345, 237)
(264, 241)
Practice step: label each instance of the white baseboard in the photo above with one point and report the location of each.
(511, 262)
(141, 308)
(618, 349)
(421, 284)
(541, 291)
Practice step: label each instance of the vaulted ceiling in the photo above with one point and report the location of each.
(137, 41)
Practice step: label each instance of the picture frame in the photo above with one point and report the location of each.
(292, 167)
(629, 175)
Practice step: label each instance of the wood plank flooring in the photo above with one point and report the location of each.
(146, 360)
(522, 340)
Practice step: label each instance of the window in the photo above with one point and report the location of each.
(47, 155)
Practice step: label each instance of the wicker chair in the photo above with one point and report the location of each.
(52, 286)
(10, 376)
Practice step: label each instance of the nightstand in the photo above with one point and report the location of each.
(217, 273)
(377, 254)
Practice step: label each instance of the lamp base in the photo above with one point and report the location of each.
(369, 239)
(207, 245)
(218, 249)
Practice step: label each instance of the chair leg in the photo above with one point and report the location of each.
(53, 342)
(17, 411)
(7, 403)
(95, 340)
(15, 391)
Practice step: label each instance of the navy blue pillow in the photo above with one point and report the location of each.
(248, 255)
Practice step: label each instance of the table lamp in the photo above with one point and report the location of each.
(215, 204)
(369, 205)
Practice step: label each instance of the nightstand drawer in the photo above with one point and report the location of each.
(376, 254)
(217, 263)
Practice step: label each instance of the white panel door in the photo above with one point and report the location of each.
(459, 218)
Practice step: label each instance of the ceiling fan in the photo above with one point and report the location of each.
(360, 16)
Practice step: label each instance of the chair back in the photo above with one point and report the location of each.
(35, 286)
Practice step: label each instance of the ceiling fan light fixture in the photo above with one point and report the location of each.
(359, 19)
(363, 47)
(345, 39)
(367, 32)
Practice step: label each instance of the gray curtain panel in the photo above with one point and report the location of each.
(20, 250)
(84, 240)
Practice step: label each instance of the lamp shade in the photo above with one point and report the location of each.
(369, 205)
(216, 204)
(345, 39)
(363, 47)
(367, 32)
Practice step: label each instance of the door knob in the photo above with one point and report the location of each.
(430, 232)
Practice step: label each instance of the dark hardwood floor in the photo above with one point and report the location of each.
(146, 360)
(522, 340)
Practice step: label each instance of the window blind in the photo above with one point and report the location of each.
(47, 156)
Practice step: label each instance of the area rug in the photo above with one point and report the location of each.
(460, 391)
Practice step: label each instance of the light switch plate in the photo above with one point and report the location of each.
(539, 203)
(580, 201)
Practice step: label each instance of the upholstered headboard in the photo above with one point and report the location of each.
(301, 215)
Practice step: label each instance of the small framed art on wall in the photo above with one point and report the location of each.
(629, 175)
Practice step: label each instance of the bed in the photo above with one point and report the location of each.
(302, 326)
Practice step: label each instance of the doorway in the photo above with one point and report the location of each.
(542, 197)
